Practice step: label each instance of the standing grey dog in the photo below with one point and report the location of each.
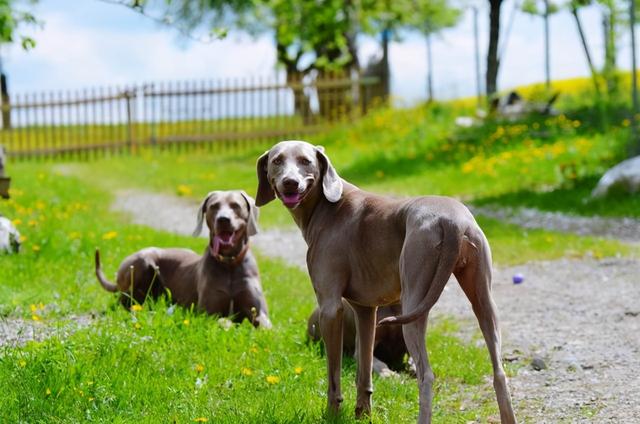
(374, 250)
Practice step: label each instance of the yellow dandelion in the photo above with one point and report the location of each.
(23, 238)
(33, 223)
(136, 308)
(22, 363)
(199, 368)
(201, 420)
(247, 371)
(273, 379)
(33, 307)
(48, 391)
(297, 370)
(74, 235)
(35, 317)
(35, 248)
(626, 122)
(184, 190)
(41, 306)
(109, 235)
(17, 222)
(253, 349)
(137, 326)
(40, 205)
(186, 322)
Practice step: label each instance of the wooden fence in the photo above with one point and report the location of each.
(111, 120)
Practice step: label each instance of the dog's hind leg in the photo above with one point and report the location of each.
(142, 279)
(417, 278)
(475, 279)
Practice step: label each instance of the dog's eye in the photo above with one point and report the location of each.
(277, 161)
(234, 206)
(304, 161)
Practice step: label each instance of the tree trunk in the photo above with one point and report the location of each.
(493, 62)
(428, 36)
(587, 53)
(386, 72)
(5, 101)
(635, 139)
(476, 43)
(301, 102)
(609, 19)
(547, 55)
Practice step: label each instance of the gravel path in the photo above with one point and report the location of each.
(625, 229)
(580, 317)
(16, 332)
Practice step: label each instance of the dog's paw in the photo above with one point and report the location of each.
(387, 373)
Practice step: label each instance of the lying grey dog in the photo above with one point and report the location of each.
(223, 281)
(389, 348)
(374, 250)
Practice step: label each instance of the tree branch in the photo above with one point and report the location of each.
(138, 7)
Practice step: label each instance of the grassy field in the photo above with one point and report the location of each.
(156, 366)
(165, 365)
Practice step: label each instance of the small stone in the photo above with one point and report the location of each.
(538, 364)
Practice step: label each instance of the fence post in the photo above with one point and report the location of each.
(6, 102)
(130, 95)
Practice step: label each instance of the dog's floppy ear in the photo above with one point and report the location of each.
(265, 192)
(201, 211)
(254, 212)
(331, 181)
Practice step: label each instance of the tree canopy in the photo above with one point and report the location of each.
(14, 14)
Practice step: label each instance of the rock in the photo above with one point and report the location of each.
(538, 364)
(625, 175)
(9, 236)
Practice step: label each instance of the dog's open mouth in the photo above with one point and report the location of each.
(222, 239)
(226, 237)
(291, 200)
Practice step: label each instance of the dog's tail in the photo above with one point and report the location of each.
(108, 285)
(451, 245)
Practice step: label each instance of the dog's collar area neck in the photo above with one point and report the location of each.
(232, 260)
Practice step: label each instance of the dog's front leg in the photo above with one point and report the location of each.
(331, 330)
(365, 335)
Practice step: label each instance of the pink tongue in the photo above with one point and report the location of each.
(291, 199)
(225, 238)
(215, 247)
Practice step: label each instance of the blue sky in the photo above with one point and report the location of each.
(87, 43)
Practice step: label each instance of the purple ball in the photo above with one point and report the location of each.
(518, 278)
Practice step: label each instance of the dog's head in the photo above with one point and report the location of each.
(231, 216)
(291, 170)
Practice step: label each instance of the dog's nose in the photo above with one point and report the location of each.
(223, 220)
(289, 184)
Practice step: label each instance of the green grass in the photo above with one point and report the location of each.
(153, 366)
(119, 135)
